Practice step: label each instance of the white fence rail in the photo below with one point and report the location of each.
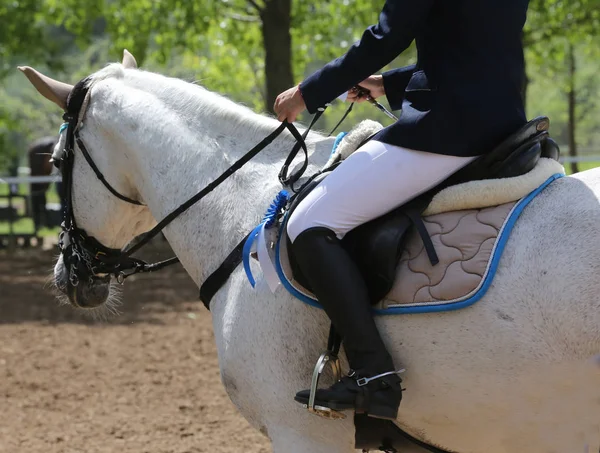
(57, 178)
(568, 159)
(29, 179)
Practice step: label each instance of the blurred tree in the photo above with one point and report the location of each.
(24, 115)
(266, 41)
(26, 31)
(555, 31)
(576, 20)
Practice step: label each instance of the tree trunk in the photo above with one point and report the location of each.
(277, 40)
(572, 100)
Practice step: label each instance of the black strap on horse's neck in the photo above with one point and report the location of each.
(348, 110)
(217, 279)
(286, 180)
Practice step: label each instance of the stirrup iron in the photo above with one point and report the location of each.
(329, 357)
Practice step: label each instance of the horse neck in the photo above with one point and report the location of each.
(183, 154)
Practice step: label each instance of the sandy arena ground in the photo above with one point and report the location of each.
(145, 381)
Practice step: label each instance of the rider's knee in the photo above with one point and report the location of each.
(295, 226)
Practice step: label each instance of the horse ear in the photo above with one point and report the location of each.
(51, 89)
(129, 60)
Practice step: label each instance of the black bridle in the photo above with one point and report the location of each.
(86, 257)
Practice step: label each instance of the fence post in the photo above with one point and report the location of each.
(11, 230)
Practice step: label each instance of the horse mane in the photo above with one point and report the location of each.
(193, 101)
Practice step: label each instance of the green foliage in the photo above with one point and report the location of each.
(547, 95)
(219, 43)
(552, 24)
(26, 28)
(221, 38)
(19, 28)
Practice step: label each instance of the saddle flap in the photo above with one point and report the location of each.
(376, 246)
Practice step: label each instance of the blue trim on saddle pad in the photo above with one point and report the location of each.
(442, 306)
(268, 220)
(282, 278)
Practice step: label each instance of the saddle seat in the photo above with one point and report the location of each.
(378, 247)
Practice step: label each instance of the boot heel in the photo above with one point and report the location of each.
(383, 412)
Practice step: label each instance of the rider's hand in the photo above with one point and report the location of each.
(289, 105)
(374, 84)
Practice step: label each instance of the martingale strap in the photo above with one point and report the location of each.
(217, 279)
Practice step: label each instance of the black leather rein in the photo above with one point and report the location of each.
(84, 256)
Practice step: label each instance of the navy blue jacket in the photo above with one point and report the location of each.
(464, 95)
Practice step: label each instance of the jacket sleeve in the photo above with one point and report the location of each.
(395, 82)
(398, 24)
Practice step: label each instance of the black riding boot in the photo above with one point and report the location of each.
(340, 288)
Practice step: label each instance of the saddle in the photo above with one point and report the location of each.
(377, 245)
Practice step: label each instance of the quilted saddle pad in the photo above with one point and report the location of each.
(468, 242)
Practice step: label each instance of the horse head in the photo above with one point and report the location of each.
(98, 223)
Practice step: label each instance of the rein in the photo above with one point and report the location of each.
(83, 255)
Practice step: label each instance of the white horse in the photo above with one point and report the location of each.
(517, 372)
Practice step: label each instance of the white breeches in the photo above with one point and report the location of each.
(374, 180)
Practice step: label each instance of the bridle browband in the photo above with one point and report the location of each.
(83, 255)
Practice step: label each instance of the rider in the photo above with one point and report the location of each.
(459, 101)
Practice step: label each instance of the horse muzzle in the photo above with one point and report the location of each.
(83, 291)
(89, 293)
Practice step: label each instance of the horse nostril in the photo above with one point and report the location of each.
(93, 295)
